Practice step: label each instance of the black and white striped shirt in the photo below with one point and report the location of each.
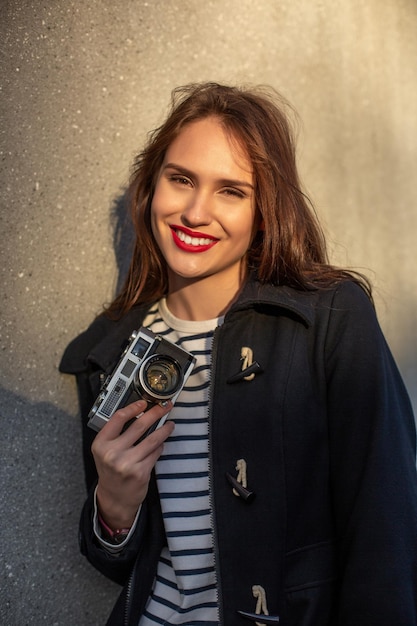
(184, 590)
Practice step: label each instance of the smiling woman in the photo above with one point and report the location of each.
(203, 218)
(289, 246)
(272, 500)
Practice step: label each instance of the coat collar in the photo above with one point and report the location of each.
(102, 343)
(253, 294)
(300, 303)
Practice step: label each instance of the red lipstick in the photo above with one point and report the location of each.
(192, 241)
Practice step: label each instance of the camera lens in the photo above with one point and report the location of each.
(161, 376)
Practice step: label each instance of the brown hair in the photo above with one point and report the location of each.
(291, 249)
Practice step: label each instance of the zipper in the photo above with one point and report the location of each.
(128, 600)
(210, 466)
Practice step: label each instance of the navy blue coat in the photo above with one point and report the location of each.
(327, 432)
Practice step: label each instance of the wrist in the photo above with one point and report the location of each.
(115, 514)
(113, 535)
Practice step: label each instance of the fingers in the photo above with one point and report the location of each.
(115, 425)
(138, 427)
(124, 468)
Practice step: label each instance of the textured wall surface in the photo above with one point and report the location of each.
(81, 84)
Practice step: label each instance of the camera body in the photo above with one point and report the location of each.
(151, 368)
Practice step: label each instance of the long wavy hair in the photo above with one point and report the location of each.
(290, 249)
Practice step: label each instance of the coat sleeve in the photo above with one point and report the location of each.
(144, 546)
(118, 566)
(90, 357)
(83, 359)
(373, 472)
(88, 376)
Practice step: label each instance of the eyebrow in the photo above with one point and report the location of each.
(224, 181)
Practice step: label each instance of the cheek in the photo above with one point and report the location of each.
(248, 228)
(159, 197)
(164, 203)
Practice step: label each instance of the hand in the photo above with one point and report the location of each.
(124, 468)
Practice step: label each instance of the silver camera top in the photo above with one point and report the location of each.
(151, 368)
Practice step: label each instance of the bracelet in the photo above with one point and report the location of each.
(115, 536)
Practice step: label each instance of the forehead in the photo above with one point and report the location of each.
(207, 143)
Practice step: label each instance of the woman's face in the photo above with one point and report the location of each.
(203, 209)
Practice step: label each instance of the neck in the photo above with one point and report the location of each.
(203, 299)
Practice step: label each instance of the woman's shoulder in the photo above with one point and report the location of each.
(350, 302)
(346, 302)
(103, 337)
(342, 296)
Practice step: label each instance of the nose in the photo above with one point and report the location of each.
(198, 210)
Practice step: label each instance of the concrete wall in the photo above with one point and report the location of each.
(81, 84)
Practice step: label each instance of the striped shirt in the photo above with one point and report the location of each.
(184, 590)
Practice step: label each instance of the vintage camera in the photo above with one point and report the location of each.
(151, 368)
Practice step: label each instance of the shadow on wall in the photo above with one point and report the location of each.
(44, 578)
(123, 236)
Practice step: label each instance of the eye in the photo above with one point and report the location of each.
(234, 192)
(179, 179)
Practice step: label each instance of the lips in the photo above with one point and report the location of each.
(191, 241)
